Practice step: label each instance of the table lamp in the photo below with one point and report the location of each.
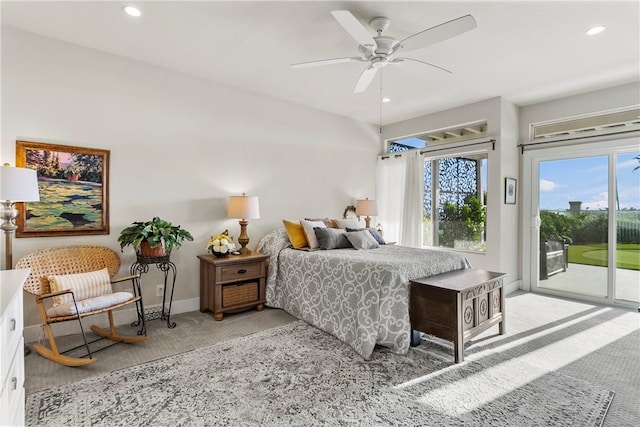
(243, 207)
(366, 208)
(16, 185)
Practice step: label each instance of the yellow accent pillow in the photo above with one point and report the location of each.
(295, 232)
(83, 285)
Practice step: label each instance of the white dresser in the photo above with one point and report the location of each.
(11, 347)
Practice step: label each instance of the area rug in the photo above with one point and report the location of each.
(297, 375)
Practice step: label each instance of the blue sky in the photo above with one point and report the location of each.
(586, 179)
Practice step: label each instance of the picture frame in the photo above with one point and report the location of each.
(510, 191)
(350, 212)
(74, 190)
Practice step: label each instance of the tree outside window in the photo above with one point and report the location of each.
(455, 214)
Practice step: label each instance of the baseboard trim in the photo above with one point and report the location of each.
(35, 333)
(512, 287)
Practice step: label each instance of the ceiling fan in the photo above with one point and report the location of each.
(379, 51)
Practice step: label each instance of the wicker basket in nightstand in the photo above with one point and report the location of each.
(233, 295)
(232, 284)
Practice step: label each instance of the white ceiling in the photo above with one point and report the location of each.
(524, 51)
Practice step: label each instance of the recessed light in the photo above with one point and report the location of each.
(596, 30)
(131, 11)
(386, 99)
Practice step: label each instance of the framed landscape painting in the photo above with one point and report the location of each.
(74, 190)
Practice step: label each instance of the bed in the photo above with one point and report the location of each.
(359, 296)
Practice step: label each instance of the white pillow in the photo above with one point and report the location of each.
(347, 223)
(362, 240)
(307, 226)
(90, 304)
(83, 285)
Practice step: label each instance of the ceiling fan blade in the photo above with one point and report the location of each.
(397, 60)
(327, 62)
(365, 79)
(352, 26)
(438, 33)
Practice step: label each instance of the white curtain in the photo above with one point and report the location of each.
(399, 194)
(411, 225)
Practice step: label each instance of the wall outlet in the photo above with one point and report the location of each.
(159, 290)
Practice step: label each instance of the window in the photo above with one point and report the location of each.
(406, 144)
(454, 208)
(592, 125)
(455, 186)
(439, 137)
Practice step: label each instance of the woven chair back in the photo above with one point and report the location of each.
(65, 260)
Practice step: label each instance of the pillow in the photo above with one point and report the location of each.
(295, 233)
(327, 221)
(90, 304)
(362, 240)
(331, 238)
(373, 232)
(308, 227)
(83, 285)
(347, 223)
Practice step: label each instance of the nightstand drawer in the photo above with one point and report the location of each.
(241, 271)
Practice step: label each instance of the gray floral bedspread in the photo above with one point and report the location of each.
(359, 296)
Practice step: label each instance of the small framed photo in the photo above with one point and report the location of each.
(510, 190)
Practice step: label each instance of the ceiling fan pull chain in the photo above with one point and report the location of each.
(380, 127)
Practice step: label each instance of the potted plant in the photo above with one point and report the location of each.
(153, 238)
(221, 245)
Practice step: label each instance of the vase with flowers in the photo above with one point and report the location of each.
(221, 244)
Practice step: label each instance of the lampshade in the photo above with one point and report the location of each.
(366, 207)
(243, 207)
(18, 184)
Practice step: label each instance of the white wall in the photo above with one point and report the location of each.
(179, 147)
(612, 98)
(509, 223)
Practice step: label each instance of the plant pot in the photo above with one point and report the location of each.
(219, 254)
(147, 251)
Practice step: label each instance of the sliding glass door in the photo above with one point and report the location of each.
(573, 225)
(585, 217)
(627, 227)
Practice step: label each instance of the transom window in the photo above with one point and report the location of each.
(439, 137)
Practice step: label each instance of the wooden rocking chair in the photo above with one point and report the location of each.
(72, 282)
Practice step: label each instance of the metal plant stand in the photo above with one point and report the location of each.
(164, 264)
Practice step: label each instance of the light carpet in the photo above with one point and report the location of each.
(298, 375)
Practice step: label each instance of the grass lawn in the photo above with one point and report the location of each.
(627, 255)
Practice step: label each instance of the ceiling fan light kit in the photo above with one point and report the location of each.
(379, 51)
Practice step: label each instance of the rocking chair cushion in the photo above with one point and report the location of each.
(89, 304)
(83, 286)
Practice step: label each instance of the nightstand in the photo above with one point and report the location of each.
(233, 283)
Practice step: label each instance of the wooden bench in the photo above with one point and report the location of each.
(456, 306)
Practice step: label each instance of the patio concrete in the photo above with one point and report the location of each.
(592, 280)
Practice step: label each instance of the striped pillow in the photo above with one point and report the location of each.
(83, 285)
